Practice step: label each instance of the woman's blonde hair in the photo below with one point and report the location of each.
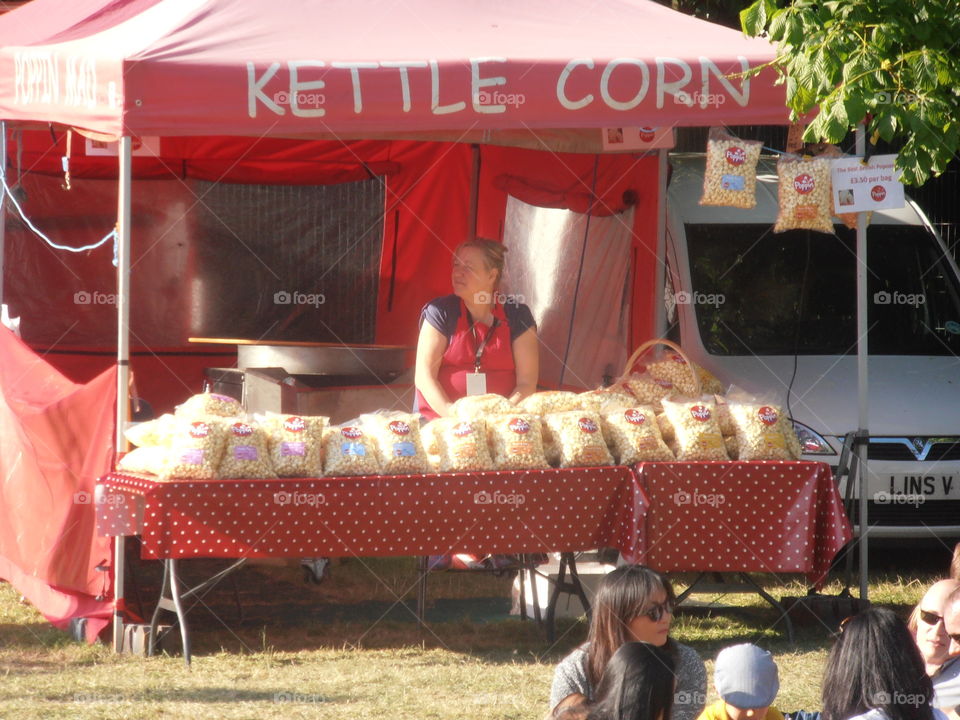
(494, 254)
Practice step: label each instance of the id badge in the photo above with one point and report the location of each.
(476, 383)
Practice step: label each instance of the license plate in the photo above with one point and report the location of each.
(932, 486)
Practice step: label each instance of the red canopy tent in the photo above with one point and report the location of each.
(332, 91)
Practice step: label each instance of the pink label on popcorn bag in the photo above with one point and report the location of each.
(245, 452)
(293, 449)
(192, 457)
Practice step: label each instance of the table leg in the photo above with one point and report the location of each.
(174, 604)
(578, 586)
(773, 601)
(181, 615)
(554, 598)
(423, 567)
(534, 593)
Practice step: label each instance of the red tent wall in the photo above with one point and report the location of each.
(425, 217)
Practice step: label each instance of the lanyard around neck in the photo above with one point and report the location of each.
(478, 355)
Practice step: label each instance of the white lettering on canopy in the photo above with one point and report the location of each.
(477, 94)
(708, 68)
(562, 86)
(297, 87)
(676, 87)
(81, 82)
(36, 77)
(435, 107)
(403, 66)
(255, 89)
(605, 83)
(354, 68)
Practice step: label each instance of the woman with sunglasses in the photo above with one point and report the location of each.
(876, 672)
(926, 624)
(633, 603)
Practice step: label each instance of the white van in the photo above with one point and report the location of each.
(776, 313)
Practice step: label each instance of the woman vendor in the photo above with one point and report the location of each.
(471, 343)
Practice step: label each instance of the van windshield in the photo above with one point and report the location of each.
(764, 293)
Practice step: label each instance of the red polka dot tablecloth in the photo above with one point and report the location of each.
(743, 516)
(492, 512)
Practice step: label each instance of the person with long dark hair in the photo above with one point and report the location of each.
(633, 603)
(637, 684)
(876, 672)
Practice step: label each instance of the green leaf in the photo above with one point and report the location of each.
(885, 122)
(753, 19)
(855, 107)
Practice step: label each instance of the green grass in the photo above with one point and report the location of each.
(299, 651)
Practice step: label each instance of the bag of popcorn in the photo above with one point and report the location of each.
(246, 454)
(295, 443)
(479, 406)
(397, 438)
(646, 389)
(516, 441)
(697, 431)
(730, 177)
(349, 450)
(762, 431)
(804, 194)
(578, 438)
(548, 401)
(461, 445)
(147, 459)
(196, 448)
(152, 433)
(634, 435)
(604, 399)
(207, 403)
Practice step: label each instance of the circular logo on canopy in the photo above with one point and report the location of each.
(647, 134)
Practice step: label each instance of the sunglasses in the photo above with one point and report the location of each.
(657, 612)
(930, 618)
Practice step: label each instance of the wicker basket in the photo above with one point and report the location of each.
(638, 353)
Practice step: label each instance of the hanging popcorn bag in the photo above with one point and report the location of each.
(730, 177)
(804, 194)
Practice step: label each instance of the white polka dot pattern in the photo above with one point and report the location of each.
(488, 512)
(764, 516)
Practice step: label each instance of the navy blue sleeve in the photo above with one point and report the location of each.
(442, 313)
(519, 318)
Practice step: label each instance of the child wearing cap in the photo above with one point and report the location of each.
(747, 682)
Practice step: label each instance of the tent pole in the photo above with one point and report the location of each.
(660, 317)
(3, 202)
(862, 378)
(123, 359)
(474, 193)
